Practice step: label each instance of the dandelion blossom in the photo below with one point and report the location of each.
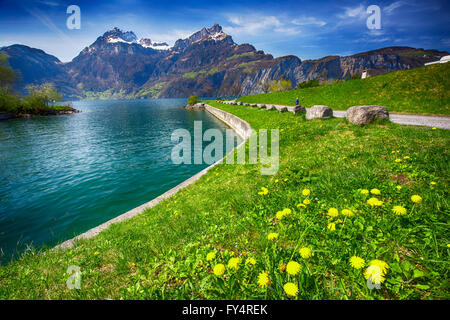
(398, 160)
(280, 215)
(347, 212)
(375, 191)
(399, 187)
(305, 252)
(287, 211)
(365, 191)
(210, 256)
(251, 261)
(399, 210)
(357, 262)
(219, 269)
(373, 273)
(291, 289)
(233, 263)
(306, 192)
(416, 199)
(301, 205)
(263, 191)
(263, 279)
(292, 268)
(381, 264)
(374, 202)
(331, 226)
(272, 236)
(307, 201)
(333, 212)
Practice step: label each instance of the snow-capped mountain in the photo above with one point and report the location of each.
(208, 63)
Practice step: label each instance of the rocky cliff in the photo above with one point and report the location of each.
(208, 63)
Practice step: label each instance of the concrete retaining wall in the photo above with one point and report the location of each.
(241, 127)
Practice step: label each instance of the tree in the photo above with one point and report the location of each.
(42, 95)
(7, 74)
(192, 100)
(280, 85)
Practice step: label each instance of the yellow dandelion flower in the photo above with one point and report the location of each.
(291, 289)
(398, 160)
(448, 245)
(381, 264)
(279, 215)
(263, 279)
(433, 183)
(251, 261)
(219, 269)
(416, 199)
(276, 180)
(301, 205)
(305, 252)
(210, 256)
(306, 192)
(399, 210)
(272, 236)
(233, 263)
(96, 253)
(263, 191)
(365, 191)
(406, 157)
(434, 128)
(331, 226)
(374, 273)
(333, 212)
(285, 179)
(292, 268)
(374, 202)
(287, 211)
(347, 212)
(357, 262)
(375, 191)
(399, 187)
(306, 201)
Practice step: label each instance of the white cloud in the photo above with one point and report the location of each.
(356, 12)
(252, 24)
(390, 8)
(304, 21)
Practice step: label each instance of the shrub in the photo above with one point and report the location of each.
(192, 100)
(308, 84)
(280, 85)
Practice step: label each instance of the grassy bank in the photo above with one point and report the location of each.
(163, 253)
(421, 91)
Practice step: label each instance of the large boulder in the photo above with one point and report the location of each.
(361, 115)
(321, 112)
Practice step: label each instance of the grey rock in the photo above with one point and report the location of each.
(261, 106)
(361, 115)
(297, 109)
(319, 112)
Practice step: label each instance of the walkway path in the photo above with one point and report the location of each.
(408, 119)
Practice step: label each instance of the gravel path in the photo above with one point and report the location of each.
(408, 119)
(416, 120)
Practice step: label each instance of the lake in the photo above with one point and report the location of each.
(62, 175)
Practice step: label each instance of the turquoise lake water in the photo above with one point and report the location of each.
(62, 175)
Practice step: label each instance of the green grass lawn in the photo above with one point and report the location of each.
(422, 90)
(162, 253)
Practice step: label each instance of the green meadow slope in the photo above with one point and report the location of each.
(277, 237)
(422, 90)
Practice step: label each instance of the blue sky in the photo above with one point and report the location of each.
(307, 29)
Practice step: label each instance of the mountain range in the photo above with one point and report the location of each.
(208, 63)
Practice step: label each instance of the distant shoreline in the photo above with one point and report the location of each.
(50, 112)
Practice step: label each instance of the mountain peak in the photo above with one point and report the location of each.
(214, 33)
(117, 35)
